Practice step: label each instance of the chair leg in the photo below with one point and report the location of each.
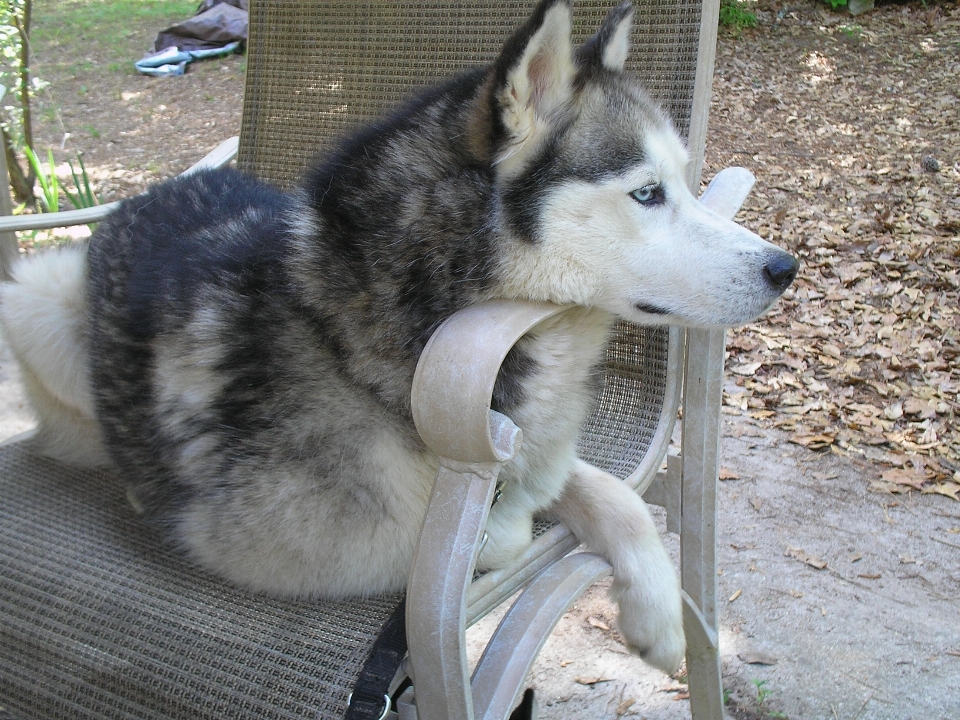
(703, 387)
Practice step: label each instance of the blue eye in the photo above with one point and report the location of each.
(649, 195)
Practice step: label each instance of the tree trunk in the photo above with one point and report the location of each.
(22, 185)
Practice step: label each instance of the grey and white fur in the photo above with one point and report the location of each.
(244, 357)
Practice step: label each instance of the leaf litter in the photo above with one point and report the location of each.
(854, 136)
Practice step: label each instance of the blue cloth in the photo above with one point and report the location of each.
(173, 61)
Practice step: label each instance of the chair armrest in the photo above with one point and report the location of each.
(452, 388)
(218, 157)
(727, 191)
(454, 381)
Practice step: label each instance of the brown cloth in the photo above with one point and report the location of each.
(217, 23)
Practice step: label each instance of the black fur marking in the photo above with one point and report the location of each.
(596, 160)
(508, 388)
(426, 251)
(651, 309)
(590, 54)
(146, 262)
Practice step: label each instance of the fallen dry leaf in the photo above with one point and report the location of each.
(591, 680)
(597, 623)
(757, 658)
(949, 490)
(728, 474)
(737, 594)
(623, 707)
(806, 557)
(813, 442)
(746, 368)
(904, 477)
(878, 486)
(869, 576)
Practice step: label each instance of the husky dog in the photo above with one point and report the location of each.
(245, 357)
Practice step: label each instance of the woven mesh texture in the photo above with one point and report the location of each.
(317, 69)
(98, 621)
(621, 427)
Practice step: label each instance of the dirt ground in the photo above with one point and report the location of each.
(839, 524)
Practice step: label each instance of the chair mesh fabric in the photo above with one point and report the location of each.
(316, 70)
(99, 620)
(619, 431)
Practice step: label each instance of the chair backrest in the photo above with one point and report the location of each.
(315, 70)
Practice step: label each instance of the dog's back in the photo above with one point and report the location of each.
(198, 252)
(220, 397)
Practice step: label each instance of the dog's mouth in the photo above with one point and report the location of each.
(651, 309)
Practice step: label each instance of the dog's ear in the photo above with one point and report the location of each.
(533, 79)
(608, 49)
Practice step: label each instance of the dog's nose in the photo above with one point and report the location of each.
(781, 270)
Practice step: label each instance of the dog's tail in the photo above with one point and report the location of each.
(43, 315)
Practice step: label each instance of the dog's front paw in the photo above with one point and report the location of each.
(651, 617)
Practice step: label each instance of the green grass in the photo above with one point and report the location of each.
(109, 34)
(734, 14)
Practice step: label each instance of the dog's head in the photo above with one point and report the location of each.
(592, 183)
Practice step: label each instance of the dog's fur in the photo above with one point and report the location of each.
(245, 357)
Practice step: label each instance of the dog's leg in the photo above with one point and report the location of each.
(612, 519)
(509, 530)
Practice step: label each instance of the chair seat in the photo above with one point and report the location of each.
(100, 619)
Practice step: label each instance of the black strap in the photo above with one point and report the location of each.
(367, 701)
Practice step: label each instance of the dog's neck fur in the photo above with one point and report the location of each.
(427, 253)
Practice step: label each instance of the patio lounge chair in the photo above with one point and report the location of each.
(96, 621)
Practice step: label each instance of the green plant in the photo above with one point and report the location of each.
(84, 197)
(851, 32)
(49, 184)
(762, 694)
(836, 3)
(762, 691)
(733, 14)
(51, 187)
